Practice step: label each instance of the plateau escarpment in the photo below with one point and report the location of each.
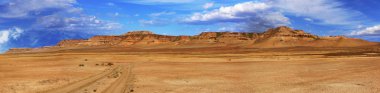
(273, 38)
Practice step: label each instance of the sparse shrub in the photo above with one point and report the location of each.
(81, 65)
(106, 64)
(109, 64)
(85, 59)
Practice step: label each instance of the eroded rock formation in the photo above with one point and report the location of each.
(273, 38)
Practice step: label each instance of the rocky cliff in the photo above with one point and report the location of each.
(273, 38)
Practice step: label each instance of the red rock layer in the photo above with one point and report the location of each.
(273, 38)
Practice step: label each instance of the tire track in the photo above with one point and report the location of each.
(124, 84)
(76, 86)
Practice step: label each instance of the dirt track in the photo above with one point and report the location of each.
(123, 84)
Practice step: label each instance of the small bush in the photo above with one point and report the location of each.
(109, 64)
(81, 65)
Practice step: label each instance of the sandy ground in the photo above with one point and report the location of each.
(221, 70)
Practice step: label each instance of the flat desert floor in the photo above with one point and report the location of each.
(207, 70)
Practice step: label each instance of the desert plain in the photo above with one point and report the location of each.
(193, 70)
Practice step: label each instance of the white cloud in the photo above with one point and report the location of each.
(208, 5)
(309, 19)
(369, 31)
(16, 32)
(162, 14)
(256, 15)
(329, 12)
(81, 23)
(62, 15)
(270, 13)
(237, 12)
(47, 22)
(26, 8)
(4, 37)
(12, 33)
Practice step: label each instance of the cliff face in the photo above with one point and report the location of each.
(70, 43)
(139, 33)
(273, 38)
(287, 37)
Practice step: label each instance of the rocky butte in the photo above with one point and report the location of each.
(272, 38)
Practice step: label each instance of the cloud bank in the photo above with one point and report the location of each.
(29, 23)
(261, 15)
(368, 31)
(329, 12)
(30, 8)
(8, 34)
(256, 15)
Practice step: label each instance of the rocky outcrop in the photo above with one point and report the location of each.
(70, 43)
(227, 35)
(287, 37)
(284, 37)
(19, 50)
(273, 38)
(31, 50)
(139, 33)
(105, 41)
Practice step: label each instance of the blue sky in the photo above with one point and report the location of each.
(36, 23)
